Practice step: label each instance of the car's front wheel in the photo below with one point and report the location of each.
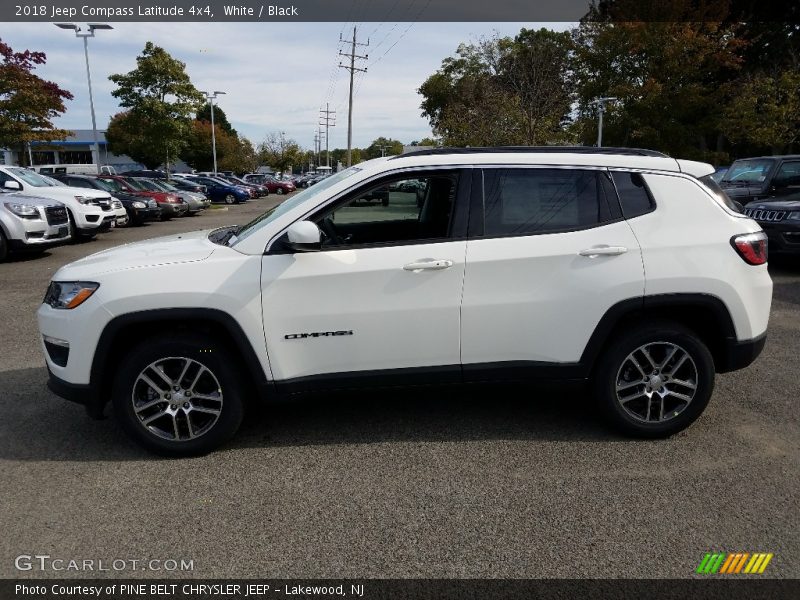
(230, 198)
(655, 380)
(179, 395)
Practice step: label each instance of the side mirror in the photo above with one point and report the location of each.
(12, 185)
(304, 236)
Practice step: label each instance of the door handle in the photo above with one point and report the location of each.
(428, 265)
(603, 251)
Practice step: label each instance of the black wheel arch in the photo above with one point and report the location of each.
(706, 315)
(126, 330)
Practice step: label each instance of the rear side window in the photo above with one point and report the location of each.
(633, 195)
(530, 201)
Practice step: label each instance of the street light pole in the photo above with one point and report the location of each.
(211, 96)
(601, 104)
(92, 27)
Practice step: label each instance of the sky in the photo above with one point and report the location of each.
(276, 75)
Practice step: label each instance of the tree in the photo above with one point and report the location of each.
(501, 91)
(160, 99)
(280, 153)
(198, 152)
(220, 118)
(28, 103)
(382, 147)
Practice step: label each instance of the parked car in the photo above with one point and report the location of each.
(621, 268)
(119, 199)
(780, 220)
(169, 204)
(259, 190)
(197, 202)
(89, 211)
(278, 187)
(221, 191)
(185, 185)
(719, 173)
(31, 224)
(750, 179)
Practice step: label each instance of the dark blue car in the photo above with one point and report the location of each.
(221, 191)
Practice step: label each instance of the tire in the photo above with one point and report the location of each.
(646, 406)
(230, 199)
(279, 191)
(3, 246)
(213, 419)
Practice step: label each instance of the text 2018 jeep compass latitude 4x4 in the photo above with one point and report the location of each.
(617, 266)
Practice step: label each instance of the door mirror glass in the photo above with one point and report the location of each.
(304, 236)
(12, 185)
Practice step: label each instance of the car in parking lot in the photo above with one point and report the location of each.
(31, 224)
(197, 203)
(120, 201)
(89, 211)
(619, 267)
(219, 190)
(169, 204)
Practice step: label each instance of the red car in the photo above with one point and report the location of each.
(278, 187)
(170, 204)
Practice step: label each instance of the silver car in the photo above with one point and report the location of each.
(197, 202)
(31, 223)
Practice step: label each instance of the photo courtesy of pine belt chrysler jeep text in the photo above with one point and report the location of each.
(625, 268)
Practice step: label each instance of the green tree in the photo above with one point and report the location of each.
(382, 147)
(160, 100)
(220, 118)
(198, 152)
(28, 103)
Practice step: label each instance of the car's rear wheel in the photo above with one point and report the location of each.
(230, 198)
(179, 395)
(655, 380)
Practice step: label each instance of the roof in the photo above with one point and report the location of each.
(79, 137)
(423, 151)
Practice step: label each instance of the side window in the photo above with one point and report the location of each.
(81, 183)
(633, 194)
(398, 210)
(788, 174)
(529, 201)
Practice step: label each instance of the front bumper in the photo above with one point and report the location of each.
(784, 236)
(173, 210)
(35, 233)
(84, 394)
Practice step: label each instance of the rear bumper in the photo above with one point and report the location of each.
(784, 237)
(741, 354)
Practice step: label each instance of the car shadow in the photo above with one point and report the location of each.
(38, 426)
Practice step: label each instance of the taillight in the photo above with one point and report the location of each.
(752, 247)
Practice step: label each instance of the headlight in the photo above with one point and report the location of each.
(69, 294)
(794, 216)
(26, 211)
(138, 204)
(83, 199)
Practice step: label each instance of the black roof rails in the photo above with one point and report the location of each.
(533, 150)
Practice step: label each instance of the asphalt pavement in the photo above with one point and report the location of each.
(496, 482)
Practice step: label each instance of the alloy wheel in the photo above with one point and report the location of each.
(177, 399)
(656, 382)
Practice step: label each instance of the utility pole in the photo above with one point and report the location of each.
(325, 119)
(316, 146)
(383, 148)
(210, 97)
(352, 68)
(601, 105)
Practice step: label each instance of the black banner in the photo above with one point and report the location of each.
(733, 588)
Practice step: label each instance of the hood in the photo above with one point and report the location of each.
(13, 198)
(179, 248)
(789, 203)
(65, 191)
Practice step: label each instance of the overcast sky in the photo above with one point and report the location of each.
(276, 75)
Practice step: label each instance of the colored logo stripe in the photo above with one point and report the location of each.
(735, 562)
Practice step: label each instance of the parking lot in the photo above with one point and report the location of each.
(500, 482)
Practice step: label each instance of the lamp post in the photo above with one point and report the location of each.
(79, 32)
(211, 96)
(601, 105)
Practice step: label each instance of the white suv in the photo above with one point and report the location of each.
(621, 267)
(89, 211)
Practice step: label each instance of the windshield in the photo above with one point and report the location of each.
(149, 185)
(748, 171)
(134, 184)
(31, 177)
(109, 185)
(305, 196)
